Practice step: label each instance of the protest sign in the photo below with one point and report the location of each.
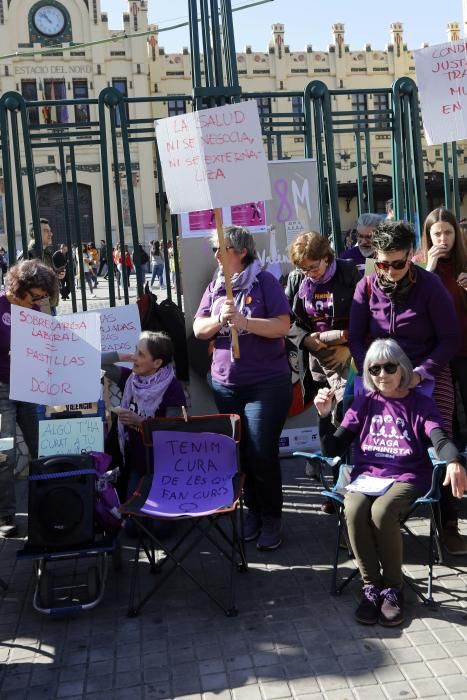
(68, 436)
(213, 158)
(54, 359)
(442, 84)
(197, 224)
(192, 473)
(120, 329)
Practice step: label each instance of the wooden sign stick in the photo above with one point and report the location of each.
(228, 281)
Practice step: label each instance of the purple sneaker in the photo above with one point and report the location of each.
(270, 537)
(368, 611)
(392, 607)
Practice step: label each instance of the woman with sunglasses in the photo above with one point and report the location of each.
(257, 385)
(403, 301)
(26, 284)
(389, 428)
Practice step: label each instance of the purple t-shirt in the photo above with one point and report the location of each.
(320, 308)
(357, 256)
(260, 358)
(393, 436)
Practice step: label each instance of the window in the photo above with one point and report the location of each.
(264, 110)
(55, 114)
(381, 104)
(175, 107)
(359, 105)
(121, 85)
(297, 109)
(29, 92)
(80, 92)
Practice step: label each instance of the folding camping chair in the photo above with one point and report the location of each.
(431, 499)
(184, 483)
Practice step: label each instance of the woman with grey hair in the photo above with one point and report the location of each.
(366, 224)
(390, 428)
(257, 385)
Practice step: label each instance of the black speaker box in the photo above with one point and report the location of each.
(61, 507)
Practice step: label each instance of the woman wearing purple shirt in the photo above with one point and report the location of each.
(390, 429)
(26, 284)
(257, 385)
(403, 301)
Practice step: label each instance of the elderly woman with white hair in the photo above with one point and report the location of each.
(366, 224)
(390, 429)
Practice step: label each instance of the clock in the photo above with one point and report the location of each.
(49, 20)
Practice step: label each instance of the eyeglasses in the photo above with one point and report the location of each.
(395, 264)
(311, 268)
(216, 249)
(362, 237)
(389, 368)
(38, 297)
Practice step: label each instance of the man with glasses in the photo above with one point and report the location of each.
(47, 305)
(366, 224)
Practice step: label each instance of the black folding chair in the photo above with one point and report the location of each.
(192, 475)
(431, 500)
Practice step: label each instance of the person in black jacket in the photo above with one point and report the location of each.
(320, 293)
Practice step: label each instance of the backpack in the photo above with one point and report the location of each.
(166, 317)
(107, 504)
(143, 256)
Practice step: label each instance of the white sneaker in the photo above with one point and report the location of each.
(93, 296)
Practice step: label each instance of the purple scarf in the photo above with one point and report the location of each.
(242, 283)
(147, 393)
(308, 286)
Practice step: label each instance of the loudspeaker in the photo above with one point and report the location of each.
(61, 503)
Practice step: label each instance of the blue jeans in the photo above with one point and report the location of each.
(25, 414)
(263, 408)
(157, 271)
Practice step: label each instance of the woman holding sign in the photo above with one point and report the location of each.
(256, 385)
(26, 284)
(390, 428)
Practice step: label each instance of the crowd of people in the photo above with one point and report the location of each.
(385, 352)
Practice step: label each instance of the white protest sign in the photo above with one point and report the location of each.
(120, 329)
(213, 158)
(67, 436)
(54, 359)
(442, 84)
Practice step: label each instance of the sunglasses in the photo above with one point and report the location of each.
(395, 264)
(389, 368)
(38, 297)
(216, 249)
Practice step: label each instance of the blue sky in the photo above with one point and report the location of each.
(309, 22)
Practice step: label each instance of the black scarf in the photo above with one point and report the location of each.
(397, 290)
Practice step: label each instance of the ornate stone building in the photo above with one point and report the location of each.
(139, 67)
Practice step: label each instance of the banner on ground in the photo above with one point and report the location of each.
(213, 158)
(442, 83)
(54, 359)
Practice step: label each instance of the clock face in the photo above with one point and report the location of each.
(49, 20)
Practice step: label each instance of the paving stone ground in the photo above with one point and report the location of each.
(291, 639)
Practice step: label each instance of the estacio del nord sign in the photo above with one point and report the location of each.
(55, 69)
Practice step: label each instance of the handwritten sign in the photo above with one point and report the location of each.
(442, 84)
(213, 158)
(192, 473)
(70, 436)
(120, 329)
(54, 359)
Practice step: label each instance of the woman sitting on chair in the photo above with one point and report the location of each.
(150, 390)
(390, 428)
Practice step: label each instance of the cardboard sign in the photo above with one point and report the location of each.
(69, 436)
(442, 84)
(54, 359)
(213, 158)
(120, 328)
(192, 473)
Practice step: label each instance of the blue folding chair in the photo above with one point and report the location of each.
(431, 499)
